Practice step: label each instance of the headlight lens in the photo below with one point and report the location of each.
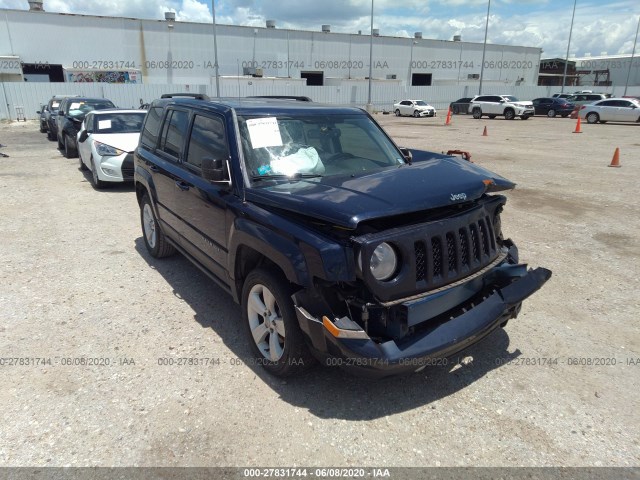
(105, 150)
(384, 262)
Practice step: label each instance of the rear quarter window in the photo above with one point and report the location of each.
(151, 128)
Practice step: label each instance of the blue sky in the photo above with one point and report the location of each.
(605, 26)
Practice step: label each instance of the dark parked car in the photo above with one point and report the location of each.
(553, 106)
(42, 114)
(339, 245)
(460, 106)
(51, 114)
(70, 116)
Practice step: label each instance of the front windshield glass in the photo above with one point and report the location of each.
(511, 98)
(119, 123)
(422, 103)
(81, 108)
(285, 147)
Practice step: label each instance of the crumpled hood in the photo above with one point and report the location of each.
(122, 141)
(432, 181)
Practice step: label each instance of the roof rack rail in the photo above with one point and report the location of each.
(284, 97)
(197, 96)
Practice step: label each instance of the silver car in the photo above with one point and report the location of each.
(611, 110)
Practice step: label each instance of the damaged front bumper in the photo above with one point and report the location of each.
(344, 343)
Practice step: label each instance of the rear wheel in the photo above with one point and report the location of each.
(155, 241)
(509, 114)
(593, 117)
(477, 113)
(551, 113)
(271, 324)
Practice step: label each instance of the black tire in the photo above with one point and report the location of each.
(97, 183)
(281, 355)
(455, 110)
(551, 113)
(509, 114)
(83, 167)
(60, 144)
(69, 150)
(592, 117)
(477, 113)
(157, 244)
(492, 116)
(416, 113)
(397, 112)
(50, 135)
(43, 128)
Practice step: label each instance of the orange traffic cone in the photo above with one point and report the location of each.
(577, 130)
(448, 120)
(485, 134)
(615, 161)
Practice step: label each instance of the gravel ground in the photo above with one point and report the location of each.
(77, 283)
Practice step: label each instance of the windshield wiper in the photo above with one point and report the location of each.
(295, 176)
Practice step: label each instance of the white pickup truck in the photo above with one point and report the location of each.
(500, 105)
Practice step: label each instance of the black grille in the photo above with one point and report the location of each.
(127, 167)
(444, 258)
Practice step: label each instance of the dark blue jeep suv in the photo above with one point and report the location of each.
(339, 245)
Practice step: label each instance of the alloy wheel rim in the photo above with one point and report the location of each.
(266, 323)
(149, 225)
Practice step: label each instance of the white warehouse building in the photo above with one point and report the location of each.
(128, 50)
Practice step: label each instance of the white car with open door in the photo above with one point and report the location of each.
(106, 141)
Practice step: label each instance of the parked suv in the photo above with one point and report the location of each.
(338, 244)
(587, 98)
(500, 105)
(51, 113)
(71, 114)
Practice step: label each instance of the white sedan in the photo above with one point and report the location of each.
(612, 110)
(417, 108)
(106, 142)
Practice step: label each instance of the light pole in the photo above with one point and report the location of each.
(413, 43)
(215, 48)
(369, 104)
(484, 47)
(631, 59)
(253, 60)
(566, 60)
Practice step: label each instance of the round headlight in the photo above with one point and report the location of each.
(384, 262)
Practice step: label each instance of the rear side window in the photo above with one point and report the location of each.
(173, 132)
(151, 129)
(207, 140)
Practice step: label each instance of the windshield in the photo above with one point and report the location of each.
(422, 103)
(119, 123)
(314, 146)
(511, 98)
(81, 108)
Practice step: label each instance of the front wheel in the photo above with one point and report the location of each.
(593, 117)
(69, 149)
(455, 110)
(416, 113)
(477, 113)
(551, 113)
(155, 241)
(397, 112)
(97, 183)
(271, 324)
(509, 114)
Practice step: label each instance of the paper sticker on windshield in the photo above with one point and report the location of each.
(104, 124)
(264, 132)
(74, 106)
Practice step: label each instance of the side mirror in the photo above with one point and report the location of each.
(406, 153)
(83, 136)
(214, 170)
(38, 112)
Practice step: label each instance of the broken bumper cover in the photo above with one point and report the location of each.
(354, 350)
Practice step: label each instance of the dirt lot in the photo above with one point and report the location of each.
(76, 282)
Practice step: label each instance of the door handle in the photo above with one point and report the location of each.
(153, 168)
(182, 186)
